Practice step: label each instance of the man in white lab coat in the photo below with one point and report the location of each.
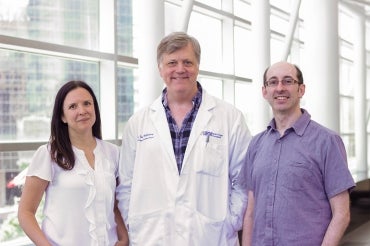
(180, 159)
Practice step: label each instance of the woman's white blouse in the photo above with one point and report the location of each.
(79, 203)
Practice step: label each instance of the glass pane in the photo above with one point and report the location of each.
(347, 120)
(68, 22)
(242, 9)
(346, 27)
(212, 86)
(28, 84)
(243, 52)
(125, 92)
(276, 49)
(213, 3)
(172, 20)
(12, 164)
(349, 143)
(368, 89)
(245, 94)
(346, 85)
(346, 50)
(124, 28)
(282, 4)
(210, 41)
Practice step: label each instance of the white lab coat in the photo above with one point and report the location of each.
(204, 205)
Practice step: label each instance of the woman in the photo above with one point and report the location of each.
(77, 171)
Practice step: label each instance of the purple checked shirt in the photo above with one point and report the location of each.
(180, 137)
(293, 177)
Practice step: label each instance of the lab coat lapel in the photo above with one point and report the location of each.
(159, 120)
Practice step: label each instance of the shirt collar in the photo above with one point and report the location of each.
(299, 126)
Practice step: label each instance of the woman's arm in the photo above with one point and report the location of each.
(121, 228)
(32, 193)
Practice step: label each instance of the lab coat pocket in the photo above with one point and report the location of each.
(150, 229)
(207, 231)
(211, 161)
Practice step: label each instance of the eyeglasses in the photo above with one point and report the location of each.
(287, 81)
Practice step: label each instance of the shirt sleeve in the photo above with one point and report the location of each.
(41, 164)
(125, 169)
(238, 196)
(245, 176)
(337, 175)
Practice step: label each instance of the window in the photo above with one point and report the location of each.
(67, 22)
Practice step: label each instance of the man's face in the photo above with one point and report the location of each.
(283, 98)
(179, 70)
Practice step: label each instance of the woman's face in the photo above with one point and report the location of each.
(79, 111)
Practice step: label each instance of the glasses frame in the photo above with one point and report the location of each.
(282, 81)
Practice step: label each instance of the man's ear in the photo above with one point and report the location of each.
(301, 90)
(264, 92)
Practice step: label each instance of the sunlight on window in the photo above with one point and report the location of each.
(13, 10)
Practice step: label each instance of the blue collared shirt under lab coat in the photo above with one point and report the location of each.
(204, 205)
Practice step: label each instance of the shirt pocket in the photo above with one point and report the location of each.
(212, 159)
(296, 175)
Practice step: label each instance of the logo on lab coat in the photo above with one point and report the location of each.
(145, 136)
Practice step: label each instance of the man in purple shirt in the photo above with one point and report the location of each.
(297, 174)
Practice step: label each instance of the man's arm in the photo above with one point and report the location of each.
(340, 207)
(248, 221)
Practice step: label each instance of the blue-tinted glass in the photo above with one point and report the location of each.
(28, 84)
(68, 22)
